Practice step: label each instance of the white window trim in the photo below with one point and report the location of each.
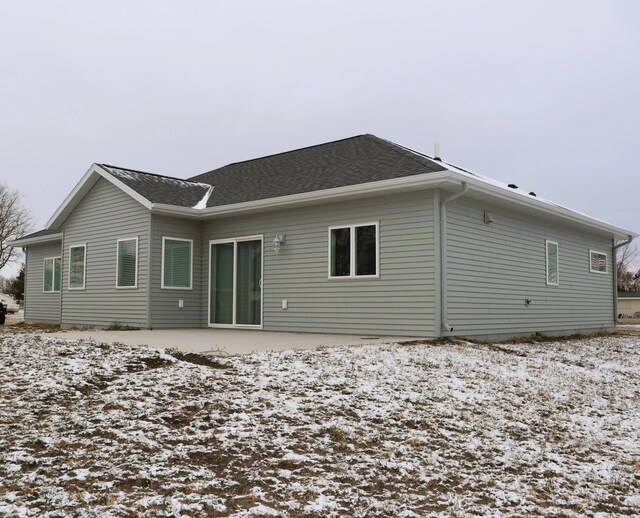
(162, 286)
(118, 241)
(84, 268)
(53, 280)
(352, 252)
(546, 262)
(606, 258)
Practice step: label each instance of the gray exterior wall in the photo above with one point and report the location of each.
(40, 307)
(493, 268)
(103, 216)
(400, 302)
(164, 302)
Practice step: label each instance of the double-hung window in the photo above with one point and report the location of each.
(354, 251)
(52, 274)
(597, 262)
(553, 278)
(77, 266)
(177, 257)
(127, 263)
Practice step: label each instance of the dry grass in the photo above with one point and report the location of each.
(454, 428)
(23, 327)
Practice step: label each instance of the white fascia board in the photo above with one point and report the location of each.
(125, 188)
(87, 181)
(405, 183)
(440, 179)
(36, 240)
(93, 174)
(544, 207)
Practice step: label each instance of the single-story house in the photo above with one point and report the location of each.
(629, 304)
(360, 235)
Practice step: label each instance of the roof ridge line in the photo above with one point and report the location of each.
(416, 156)
(283, 153)
(104, 166)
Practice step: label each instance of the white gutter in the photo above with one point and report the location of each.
(36, 240)
(479, 185)
(444, 325)
(404, 183)
(428, 180)
(614, 259)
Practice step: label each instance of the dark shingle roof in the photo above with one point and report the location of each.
(160, 189)
(40, 233)
(352, 161)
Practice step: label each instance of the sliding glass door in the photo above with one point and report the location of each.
(235, 282)
(222, 271)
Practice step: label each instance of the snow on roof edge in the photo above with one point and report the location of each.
(521, 192)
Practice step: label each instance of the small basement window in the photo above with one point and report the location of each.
(552, 263)
(77, 266)
(127, 263)
(354, 251)
(597, 262)
(52, 274)
(176, 262)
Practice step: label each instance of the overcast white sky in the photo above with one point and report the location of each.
(543, 94)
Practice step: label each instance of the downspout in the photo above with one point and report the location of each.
(24, 294)
(444, 325)
(614, 259)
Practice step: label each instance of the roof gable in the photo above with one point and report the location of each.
(145, 188)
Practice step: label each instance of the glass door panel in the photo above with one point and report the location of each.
(248, 278)
(221, 303)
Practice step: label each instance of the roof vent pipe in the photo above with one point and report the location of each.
(513, 186)
(436, 151)
(443, 255)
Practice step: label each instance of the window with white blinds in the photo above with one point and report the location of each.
(127, 263)
(176, 262)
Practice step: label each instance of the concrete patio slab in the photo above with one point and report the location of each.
(223, 341)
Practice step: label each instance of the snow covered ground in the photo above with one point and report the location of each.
(388, 430)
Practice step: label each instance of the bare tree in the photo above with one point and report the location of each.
(15, 221)
(628, 278)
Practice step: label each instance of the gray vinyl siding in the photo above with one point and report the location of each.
(105, 215)
(400, 302)
(164, 302)
(493, 268)
(40, 307)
